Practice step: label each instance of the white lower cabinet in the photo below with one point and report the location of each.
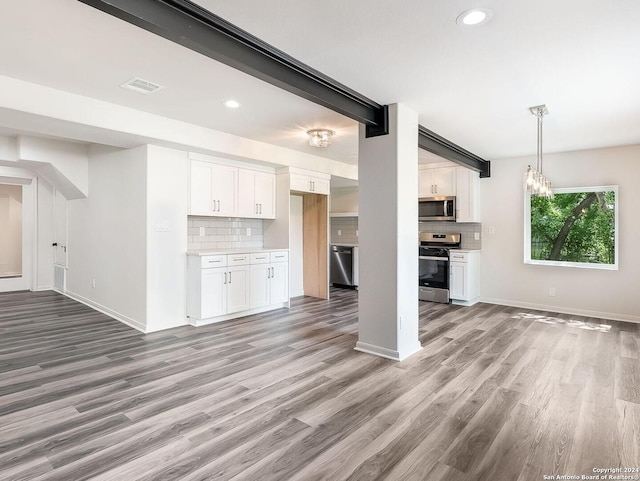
(269, 281)
(464, 282)
(222, 287)
(237, 289)
(213, 300)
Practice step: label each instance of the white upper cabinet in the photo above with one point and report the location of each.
(257, 194)
(213, 189)
(436, 181)
(309, 183)
(229, 191)
(468, 195)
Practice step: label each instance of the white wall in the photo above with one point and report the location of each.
(167, 208)
(45, 235)
(505, 279)
(344, 199)
(64, 164)
(296, 252)
(10, 230)
(107, 235)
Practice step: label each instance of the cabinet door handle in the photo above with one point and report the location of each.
(229, 277)
(225, 277)
(268, 273)
(260, 208)
(213, 206)
(218, 206)
(273, 274)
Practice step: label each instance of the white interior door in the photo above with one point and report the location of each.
(295, 247)
(60, 233)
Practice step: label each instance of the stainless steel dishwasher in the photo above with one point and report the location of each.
(344, 265)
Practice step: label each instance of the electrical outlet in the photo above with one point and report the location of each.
(357, 234)
(201, 234)
(248, 231)
(339, 231)
(476, 235)
(552, 291)
(492, 230)
(93, 283)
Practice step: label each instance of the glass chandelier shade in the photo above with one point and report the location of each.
(535, 181)
(320, 137)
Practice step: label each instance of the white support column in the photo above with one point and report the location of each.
(388, 238)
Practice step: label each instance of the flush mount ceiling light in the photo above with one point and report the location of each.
(535, 182)
(474, 17)
(319, 137)
(141, 86)
(231, 104)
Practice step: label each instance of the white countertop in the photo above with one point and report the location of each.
(239, 250)
(345, 244)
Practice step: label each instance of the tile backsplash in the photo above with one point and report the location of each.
(467, 231)
(348, 227)
(224, 233)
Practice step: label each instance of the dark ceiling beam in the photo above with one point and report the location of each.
(197, 29)
(438, 145)
(194, 27)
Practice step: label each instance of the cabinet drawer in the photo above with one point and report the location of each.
(260, 258)
(213, 261)
(238, 259)
(458, 256)
(280, 256)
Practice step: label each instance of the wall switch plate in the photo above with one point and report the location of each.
(201, 234)
(93, 283)
(357, 234)
(163, 227)
(552, 291)
(492, 230)
(476, 235)
(339, 231)
(248, 231)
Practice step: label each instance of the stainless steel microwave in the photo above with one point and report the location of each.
(437, 208)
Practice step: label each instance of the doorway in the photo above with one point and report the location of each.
(16, 211)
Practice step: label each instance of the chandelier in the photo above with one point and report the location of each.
(535, 182)
(320, 137)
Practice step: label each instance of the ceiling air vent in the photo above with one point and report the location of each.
(141, 86)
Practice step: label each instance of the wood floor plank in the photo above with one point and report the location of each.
(497, 393)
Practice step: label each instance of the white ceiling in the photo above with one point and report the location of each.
(470, 85)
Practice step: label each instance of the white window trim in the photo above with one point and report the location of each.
(580, 265)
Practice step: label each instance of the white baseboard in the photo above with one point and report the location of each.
(387, 353)
(258, 310)
(105, 310)
(471, 302)
(563, 310)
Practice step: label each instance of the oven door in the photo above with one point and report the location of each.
(433, 279)
(433, 272)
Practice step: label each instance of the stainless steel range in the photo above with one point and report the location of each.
(433, 260)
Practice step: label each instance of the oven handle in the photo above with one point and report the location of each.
(433, 258)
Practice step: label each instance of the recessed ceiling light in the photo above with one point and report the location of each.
(232, 104)
(474, 17)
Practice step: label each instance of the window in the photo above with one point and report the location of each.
(578, 227)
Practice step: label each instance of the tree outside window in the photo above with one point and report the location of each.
(577, 228)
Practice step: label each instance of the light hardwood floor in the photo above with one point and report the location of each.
(497, 393)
